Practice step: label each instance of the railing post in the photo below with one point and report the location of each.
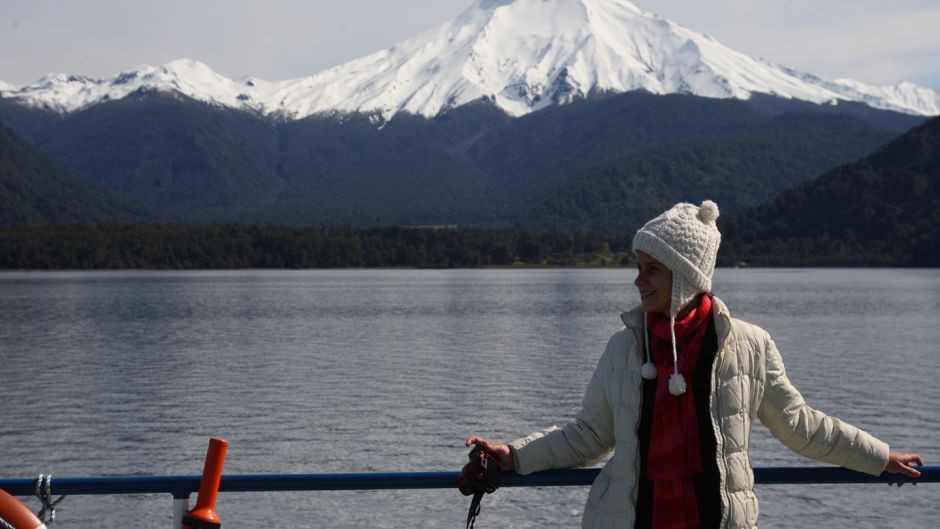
(180, 508)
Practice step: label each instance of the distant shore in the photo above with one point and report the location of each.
(146, 246)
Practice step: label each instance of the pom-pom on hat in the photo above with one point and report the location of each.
(685, 239)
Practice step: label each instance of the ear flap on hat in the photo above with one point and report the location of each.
(682, 293)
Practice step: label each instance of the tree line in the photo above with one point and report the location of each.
(231, 246)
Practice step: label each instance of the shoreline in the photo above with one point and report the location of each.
(415, 268)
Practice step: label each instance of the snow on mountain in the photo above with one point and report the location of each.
(522, 55)
(67, 93)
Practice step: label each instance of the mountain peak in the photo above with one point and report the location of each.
(521, 55)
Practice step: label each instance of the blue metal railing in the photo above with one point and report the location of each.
(183, 486)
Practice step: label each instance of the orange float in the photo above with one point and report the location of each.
(203, 515)
(17, 515)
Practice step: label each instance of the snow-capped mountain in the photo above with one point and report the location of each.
(522, 55)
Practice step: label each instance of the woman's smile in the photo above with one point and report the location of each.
(654, 282)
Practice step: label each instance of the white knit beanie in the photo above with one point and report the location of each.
(685, 239)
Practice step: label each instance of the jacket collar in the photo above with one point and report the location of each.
(633, 319)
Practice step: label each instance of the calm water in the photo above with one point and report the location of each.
(353, 371)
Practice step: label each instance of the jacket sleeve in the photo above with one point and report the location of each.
(812, 433)
(582, 442)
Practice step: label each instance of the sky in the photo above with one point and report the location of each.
(874, 41)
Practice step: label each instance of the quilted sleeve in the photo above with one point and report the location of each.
(582, 442)
(812, 433)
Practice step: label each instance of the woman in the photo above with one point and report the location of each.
(674, 395)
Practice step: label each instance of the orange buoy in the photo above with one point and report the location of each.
(203, 515)
(14, 513)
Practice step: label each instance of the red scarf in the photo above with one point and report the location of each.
(674, 452)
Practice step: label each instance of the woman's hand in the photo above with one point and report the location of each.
(500, 451)
(902, 463)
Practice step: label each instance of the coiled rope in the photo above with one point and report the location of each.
(44, 493)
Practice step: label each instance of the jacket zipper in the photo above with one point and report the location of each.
(715, 409)
(636, 426)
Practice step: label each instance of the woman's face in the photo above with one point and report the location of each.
(654, 281)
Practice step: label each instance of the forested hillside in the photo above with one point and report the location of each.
(36, 190)
(881, 210)
(572, 167)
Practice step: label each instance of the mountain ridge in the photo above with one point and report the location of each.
(569, 50)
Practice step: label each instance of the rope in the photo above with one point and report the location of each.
(44, 493)
(5, 525)
(675, 354)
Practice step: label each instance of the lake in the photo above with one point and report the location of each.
(130, 373)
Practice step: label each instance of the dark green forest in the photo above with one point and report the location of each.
(735, 170)
(36, 189)
(600, 165)
(232, 246)
(882, 210)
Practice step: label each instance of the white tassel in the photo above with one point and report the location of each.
(676, 384)
(648, 370)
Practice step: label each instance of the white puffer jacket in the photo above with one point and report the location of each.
(750, 380)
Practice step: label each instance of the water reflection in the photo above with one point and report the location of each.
(129, 373)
